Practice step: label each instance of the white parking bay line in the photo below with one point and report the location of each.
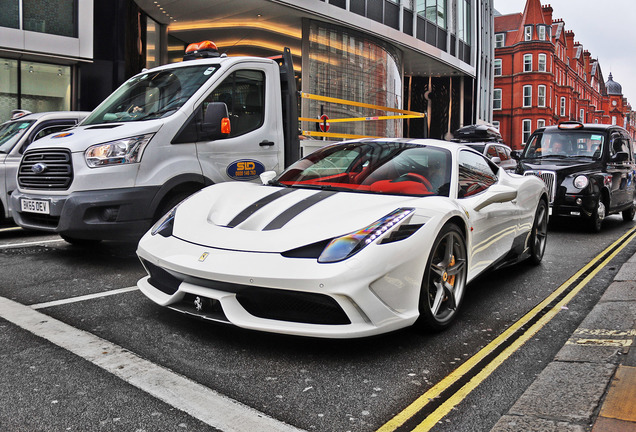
(35, 243)
(82, 298)
(198, 401)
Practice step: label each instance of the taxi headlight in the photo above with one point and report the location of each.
(344, 247)
(123, 151)
(581, 182)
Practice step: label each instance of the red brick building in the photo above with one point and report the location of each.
(543, 76)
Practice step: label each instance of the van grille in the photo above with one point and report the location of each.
(549, 178)
(46, 169)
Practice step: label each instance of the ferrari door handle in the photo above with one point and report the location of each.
(266, 143)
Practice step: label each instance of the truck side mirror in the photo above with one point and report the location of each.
(515, 154)
(216, 122)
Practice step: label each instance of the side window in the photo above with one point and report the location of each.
(46, 130)
(619, 144)
(504, 155)
(244, 94)
(492, 152)
(475, 174)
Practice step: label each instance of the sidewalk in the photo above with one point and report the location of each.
(591, 383)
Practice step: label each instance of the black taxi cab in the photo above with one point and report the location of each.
(589, 170)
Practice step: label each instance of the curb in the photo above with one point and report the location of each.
(591, 383)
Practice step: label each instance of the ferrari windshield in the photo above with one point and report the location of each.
(562, 144)
(374, 167)
(151, 95)
(11, 132)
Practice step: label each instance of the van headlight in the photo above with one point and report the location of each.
(122, 151)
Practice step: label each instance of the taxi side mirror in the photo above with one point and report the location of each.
(620, 157)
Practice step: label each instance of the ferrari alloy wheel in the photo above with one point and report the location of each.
(598, 214)
(444, 279)
(539, 234)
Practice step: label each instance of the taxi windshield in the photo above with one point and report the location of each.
(565, 144)
(11, 132)
(373, 167)
(151, 95)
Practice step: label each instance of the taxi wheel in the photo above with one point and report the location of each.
(539, 234)
(444, 280)
(598, 215)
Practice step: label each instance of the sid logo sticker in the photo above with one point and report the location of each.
(62, 135)
(245, 169)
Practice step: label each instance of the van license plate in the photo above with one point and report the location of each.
(34, 206)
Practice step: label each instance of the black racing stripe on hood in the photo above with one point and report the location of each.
(253, 208)
(296, 209)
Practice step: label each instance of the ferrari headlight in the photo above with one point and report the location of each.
(343, 247)
(123, 151)
(581, 182)
(165, 224)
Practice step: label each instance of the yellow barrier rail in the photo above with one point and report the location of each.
(359, 104)
(336, 135)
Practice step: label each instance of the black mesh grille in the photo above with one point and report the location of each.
(46, 169)
(292, 306)
(161, 279)
(268, 303)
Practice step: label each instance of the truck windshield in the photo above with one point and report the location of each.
(151, 95)
(11, 132)
(559, 144)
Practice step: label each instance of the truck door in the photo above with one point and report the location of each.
(255, 142)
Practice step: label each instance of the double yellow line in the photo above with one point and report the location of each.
(536, 319)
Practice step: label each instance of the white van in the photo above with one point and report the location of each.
(163, 135)
(17, 134)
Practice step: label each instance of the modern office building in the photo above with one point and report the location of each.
(544, 76)
(430, 56)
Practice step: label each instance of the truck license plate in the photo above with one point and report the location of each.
(34, 206)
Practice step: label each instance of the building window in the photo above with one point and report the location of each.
(497, 67)
(463, 21)
(37, 87)
(433, 10)
(541, 32)
(368, 70)
(614, 120)
(541, 96)
(500, 40)
(527, 63)
(44, 16)
(496, 99)
(542, 62)
(527, 33)
(582, 115)
(540, 123)
(527, 130)
(527, 96)
(562, 107)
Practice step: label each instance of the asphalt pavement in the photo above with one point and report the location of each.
(591, 383)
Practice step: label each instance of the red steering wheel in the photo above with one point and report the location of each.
(420, 178)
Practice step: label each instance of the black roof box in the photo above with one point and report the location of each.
(477, 133)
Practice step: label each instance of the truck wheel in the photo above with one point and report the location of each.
(170, 202)
(596, 220)
(79, 242)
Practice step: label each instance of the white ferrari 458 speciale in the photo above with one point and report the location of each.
(359, 238)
